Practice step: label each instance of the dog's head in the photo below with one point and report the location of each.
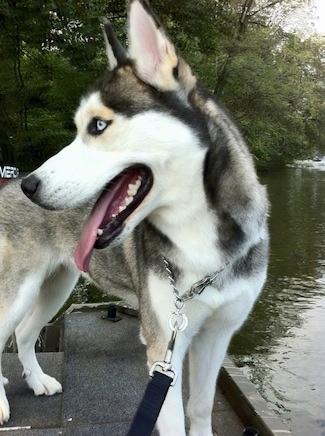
(136, 136)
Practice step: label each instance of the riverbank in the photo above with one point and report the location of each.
(308, 163)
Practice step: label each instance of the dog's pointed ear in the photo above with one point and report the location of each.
(153, 54)
(116, 53)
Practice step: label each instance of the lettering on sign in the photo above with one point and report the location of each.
(8, 172)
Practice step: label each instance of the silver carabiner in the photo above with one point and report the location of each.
(167, 369)
(177, 321)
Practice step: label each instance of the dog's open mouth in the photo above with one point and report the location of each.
(118, 200)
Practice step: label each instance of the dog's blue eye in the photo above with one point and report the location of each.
(97, 126)
(101, 125)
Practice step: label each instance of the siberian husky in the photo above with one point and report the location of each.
(178, 201)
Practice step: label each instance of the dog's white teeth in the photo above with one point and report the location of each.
(100, 232)
(134, 187)
(128, 200)
(132, 190)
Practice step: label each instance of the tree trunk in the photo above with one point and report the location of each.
(242, 27)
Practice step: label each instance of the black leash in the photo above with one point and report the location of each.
(149, 408)
(155, 393)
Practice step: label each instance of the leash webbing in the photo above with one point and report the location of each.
(149, 408)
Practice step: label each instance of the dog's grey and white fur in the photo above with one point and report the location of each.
(184, 186)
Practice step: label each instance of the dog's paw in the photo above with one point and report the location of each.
(42, 384)
(4, 410)
(5, 381)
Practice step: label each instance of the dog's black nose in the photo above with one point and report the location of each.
(30, 185)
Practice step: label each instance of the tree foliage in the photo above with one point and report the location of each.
(272, 80)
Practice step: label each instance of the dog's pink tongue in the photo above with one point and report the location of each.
(88, 236)
(108, 205)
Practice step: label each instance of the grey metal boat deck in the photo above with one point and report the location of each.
(103, 372)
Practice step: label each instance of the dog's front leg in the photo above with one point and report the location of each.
(205, 358)
(54, 292)
(4, 405)
(206, 355)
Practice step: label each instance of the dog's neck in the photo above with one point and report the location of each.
(190, 225)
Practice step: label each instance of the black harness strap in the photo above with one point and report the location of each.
(149, 408)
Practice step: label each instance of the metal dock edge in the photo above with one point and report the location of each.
(249, 405)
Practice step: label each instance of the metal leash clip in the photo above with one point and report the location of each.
(165, 365)
(177, 322)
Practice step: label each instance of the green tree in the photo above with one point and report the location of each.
(50, 53)
(271, 79)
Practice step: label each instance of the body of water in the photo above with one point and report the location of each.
(281, 348)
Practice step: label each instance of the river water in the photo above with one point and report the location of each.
(281, 347)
